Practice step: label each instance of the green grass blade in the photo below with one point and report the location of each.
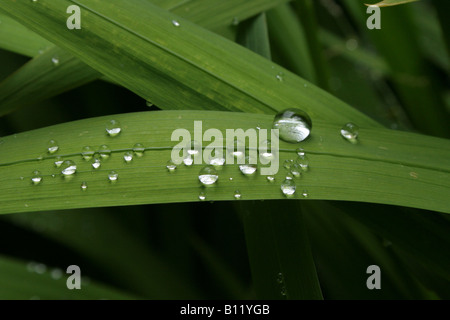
(272, 231)
(19, 282)
(390, 3)
(182, 67)
(384, 167)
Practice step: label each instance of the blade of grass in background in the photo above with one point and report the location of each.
(442, 8)
(399, 45)
(384, 167)
(47, 81)
(277, 271)
(21, 281)
(195, 68)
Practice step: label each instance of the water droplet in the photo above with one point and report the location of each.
(300, 152)
(202, 196)
(128, 156)
(216, 161)
(87, 153)
(96, 164)
(113, 176)
(171, 166)
(68, 168)
(294, 125)
(175, 23)
(279, 76)
(149, 103)
(34, 1)
(283, 291)
(305, 194)
(193, 148)
(113, 128)
(238, 149)
(235, 21)
(288, 187)
(350, 132)
(104, 151)
(280, 278)
(231, 179)
(36, 178)
(288, 164)
(303, 162)
(295, 170)
(52, 146)
(55, 61)
(237, 195)
(249, 167)
(266, 150)
(271, 179)
(188, 160)
(84, 186)
(289, 176)
(139, 150)
(58, 162)
(56, 274)
(208, 175)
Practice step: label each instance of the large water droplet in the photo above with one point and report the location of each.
(104, 151)
(288, 187)
(350, 132)
(139, 150)
(208, 175)
(36, 178)
(294, 125)
(87, 153)
(128, 156)
(237, 195)
(248, 168)
(68, 168)
(303, 162)
(52, 146)
(113, 176)
(113, 128)
(171, 166)
(84, 186)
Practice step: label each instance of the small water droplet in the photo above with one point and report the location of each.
(113, 128)
(149, 103)
(350, 132)
(231, 179)
(305, 194)
(84, 186)
(193, 148)
(202, 196)
(36, 178)
(289, 176)
(68, 168)
(303, 162)
(288, 164)
(265, 148)
(128, 156)
(113, 176)
(188, 160)
(296, 170)
(87, 153)
(171, 167)
(283, 291)
(235, 21)
(96, 164)
(52, 146)
(208, 175)
(279, 76)
(288, 187)
(271, 179)
(34, 1)
(300, 152)
(249, 167)
(237, 195)
(58, 162)
(139, 150)
(55, 61)
(175, 23)
(238, 149)
(104, 151)
(294, 125)
(280, 278)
